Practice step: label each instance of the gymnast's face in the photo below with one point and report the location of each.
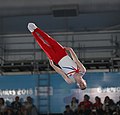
(80, 82)
(81, 86)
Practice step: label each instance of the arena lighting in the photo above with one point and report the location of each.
(65, 10)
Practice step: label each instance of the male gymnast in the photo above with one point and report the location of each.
(71, 69)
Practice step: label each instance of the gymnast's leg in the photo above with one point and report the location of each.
(53, 43)
(58, 50)
(46, 48)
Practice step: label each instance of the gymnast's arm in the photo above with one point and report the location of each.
(58, 70)
(75, 58)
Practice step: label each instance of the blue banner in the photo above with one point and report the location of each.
(60, 93)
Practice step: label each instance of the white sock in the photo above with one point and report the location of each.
(31, 27)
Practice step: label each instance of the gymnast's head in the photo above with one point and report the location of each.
(81, 83)
(82, 86)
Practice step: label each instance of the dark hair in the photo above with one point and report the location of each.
(80, 87)
(2, 100)
(86, 96)
(83, 88)
(67, 106)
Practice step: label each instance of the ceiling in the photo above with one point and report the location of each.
(93, 18)
(91, 14)
(44, 7)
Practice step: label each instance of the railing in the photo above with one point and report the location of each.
(22, 51)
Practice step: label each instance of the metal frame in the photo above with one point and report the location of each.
(32, 63)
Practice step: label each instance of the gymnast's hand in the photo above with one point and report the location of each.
(68, 48)
(51, 62)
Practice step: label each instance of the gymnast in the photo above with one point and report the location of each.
(70, 68)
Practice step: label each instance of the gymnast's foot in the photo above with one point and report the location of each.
(31, 27)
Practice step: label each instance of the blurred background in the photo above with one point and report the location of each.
(90, 27)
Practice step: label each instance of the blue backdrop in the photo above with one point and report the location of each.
(99, 84)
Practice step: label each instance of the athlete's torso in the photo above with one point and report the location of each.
(68, 65)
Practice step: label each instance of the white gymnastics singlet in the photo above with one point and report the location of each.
(69, 67)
